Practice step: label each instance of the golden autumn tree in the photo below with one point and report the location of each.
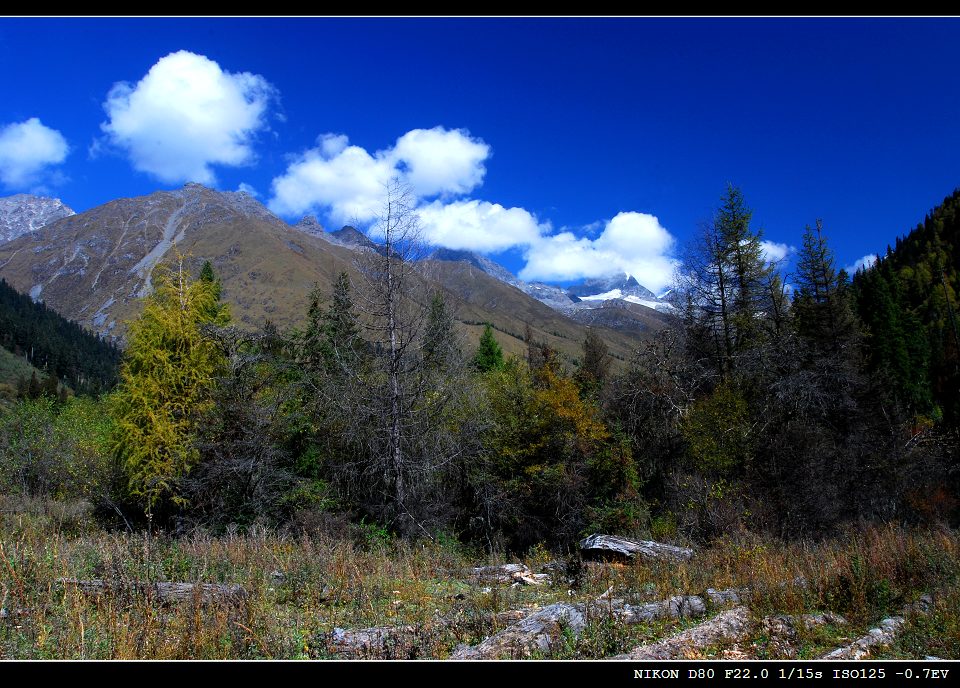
(166, 380)
(554, 468)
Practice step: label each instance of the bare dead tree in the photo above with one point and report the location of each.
(393, 325)
(388, 374)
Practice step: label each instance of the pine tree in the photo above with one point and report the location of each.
(749, 270)
(212, 282)
(166, 380)
(823, 307)
(341, 333)
(730, 286)
(441, 345)
(896, 345)
(595, 367)
(489, 355)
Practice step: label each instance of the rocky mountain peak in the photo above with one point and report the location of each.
(476, 260)
(351, 236)
(23, 213)
(310, 225)
(626, 284)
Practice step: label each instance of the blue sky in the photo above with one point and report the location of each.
(564, 148)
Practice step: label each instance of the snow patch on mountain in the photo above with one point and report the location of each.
(590, 293)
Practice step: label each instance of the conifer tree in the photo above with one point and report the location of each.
(489, 355)
(823, 308)
(166, 380)
(896, 345)
(341, 333)
(595, 367)
(441, 345)
(729, 286)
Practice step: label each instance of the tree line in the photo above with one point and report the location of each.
(789, 404)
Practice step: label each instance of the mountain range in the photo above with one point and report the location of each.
(93, 267)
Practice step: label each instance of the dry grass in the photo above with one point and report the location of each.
(301, 588)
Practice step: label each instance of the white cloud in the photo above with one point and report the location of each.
(344, 180)
(438, 161)
(635, 243)
(774, 252)
(479, 226)
(348, 182)
(861, 263)
(27, 150)
(186, 115)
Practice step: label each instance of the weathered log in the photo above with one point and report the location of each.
(883, 635)
(166, 592)
(788, 625)
(875, 637)
(597, 545)
(508, 573)
(678, 607)
(536, 633)
(732, 624)
(728, 596)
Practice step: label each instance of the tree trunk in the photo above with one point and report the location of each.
(609, 545)
(205, 593)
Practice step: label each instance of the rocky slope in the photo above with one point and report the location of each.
(23, 213)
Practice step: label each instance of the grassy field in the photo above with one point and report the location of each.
(300, 588)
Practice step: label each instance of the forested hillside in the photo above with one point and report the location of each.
(909, 302)
(53, 344)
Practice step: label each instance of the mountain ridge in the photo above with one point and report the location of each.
(93, 267)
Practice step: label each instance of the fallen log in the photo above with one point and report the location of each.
(538, 631)
(599, 546)
(535, 633)
(678, 607)
(166, 592)
(508, 573)
(881, 636)
(728, 596)
(730, 625)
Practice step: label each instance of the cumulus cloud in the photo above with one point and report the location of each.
(347, 182)
(635, 243)
(479, 226)
(28, 150)
(186, 115)
(861, 263)
(438, 161)
(343, 180)
(774, 252)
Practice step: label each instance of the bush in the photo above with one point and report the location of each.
(56, 451)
